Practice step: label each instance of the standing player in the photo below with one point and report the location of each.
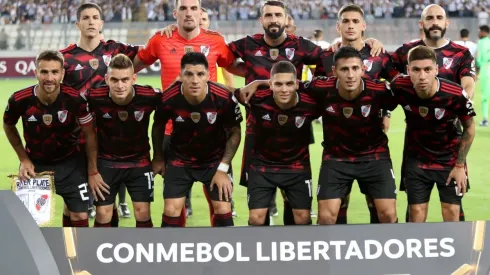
(483, 64)
(188, 37)
(52, 114)
(282, 118)
(351, 25)
(435, 150)
(86, 65)
(122, 110)
(455, 62)
(464, 34)
(355, 144)
(260, 52)
(205, 139)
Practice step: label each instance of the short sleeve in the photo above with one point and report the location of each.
(232, 113)
(13, 112)
(464, 107)
(226, 57)
(148, 54)
(467, 67)
(83, 114)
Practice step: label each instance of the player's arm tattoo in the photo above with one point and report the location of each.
(468, 84)
(234, 137)
(138, 64)
(91, 147)
(157, 134)
(466, 140)
(15, 141)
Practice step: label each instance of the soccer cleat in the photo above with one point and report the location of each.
(188, 212)
(91, 212)
(273, 212)
(312, 213)
(124, 210)
(484, 123)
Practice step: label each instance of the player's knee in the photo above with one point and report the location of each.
(104, 213)
(80, 216)
(141, 211)
(326, 217)
(302, 216)
(450, 212)
(256, 218)
(173, 207)
(221, 207)
(387, 215)
(418, 212)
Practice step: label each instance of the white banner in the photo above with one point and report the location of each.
(37, 194)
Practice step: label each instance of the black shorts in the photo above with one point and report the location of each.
(263, 185)
(71, 181)
(375, 178)
(179, 180)
(419, 183)
(247, 158)
(138, 180)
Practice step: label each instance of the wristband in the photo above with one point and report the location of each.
(223, 167)
(459, 165)
(93, 173)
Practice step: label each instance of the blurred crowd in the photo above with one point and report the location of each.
(59, 11)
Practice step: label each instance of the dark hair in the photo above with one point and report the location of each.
(282, 67)
(50, 55)
(350, 7)
(120, 62)
(484, 28)
(177, 3)
(275, 3)
(346, 52)
(86, 6)
(194, 58)
(317, 33)
(421, 53)
(464, 33)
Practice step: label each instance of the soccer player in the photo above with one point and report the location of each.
(464, 34)
(86, 65)
(122, 111)
(260, 52)
(355, 144)
(483, 64)
(282, 116)
(205, 138)
(455, 62)
(351, 25)
(52, 115)
(435, 150)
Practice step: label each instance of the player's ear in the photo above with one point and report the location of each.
(175, 14)
(421, 24)
(106, 77)
(334, 72)
(337, 26)
(133, 78)
(297, 85)
(408, 69)
(447, 23)
(78, 25)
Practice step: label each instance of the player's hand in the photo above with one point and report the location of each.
(26, 170)
(385, 124)
(248, 91)
(158, 167)
(98, 186)
(168, 30)
(458, 174)
(376, 47)
(333, 47)
(223, 183)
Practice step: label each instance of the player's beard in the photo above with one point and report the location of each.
(52, 89)
(429, 36)
(274, 35)
(189, 28)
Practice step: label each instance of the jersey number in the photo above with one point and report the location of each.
(149, 176)
(308, 183)
(83, 191)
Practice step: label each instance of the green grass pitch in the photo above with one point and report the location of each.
(475, 202)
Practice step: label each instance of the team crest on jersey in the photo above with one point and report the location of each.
(195, 116)
(282, 119)
(274, 53)
(365, 110)
(439, 112)
(369, 64)
(290, 53)
(123, 115)
(94, 63)
(347, 111)
(107, 59)
(211, 117)
(447, 62)
(47, 119)
(62, 115)
(205, 50)
(423, 111)
(138, 115)
(300, 120)
(188, 49)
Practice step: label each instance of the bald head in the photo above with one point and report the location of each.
(434, 22)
